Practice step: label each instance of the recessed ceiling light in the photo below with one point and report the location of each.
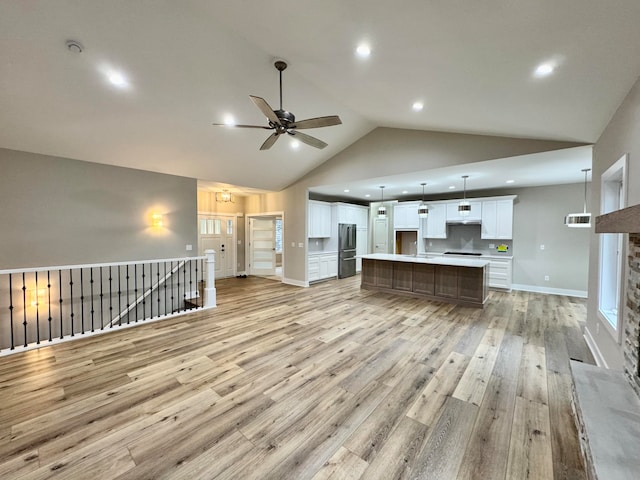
(544, 69)
(346, 190)
(417, 106)
(405, 192)
(510, 181)
(367, 195)
(229, 120)
(363, 50)
(295, 144)
(452, 187)
(117, 79)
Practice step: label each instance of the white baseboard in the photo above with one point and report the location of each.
(550, 291)
(295, 283)
(595, 351)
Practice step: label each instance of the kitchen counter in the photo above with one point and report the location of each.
(484, 255)
(454, 280)
(456, 261)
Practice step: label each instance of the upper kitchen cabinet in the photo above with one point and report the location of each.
(474, 215)
(319, 218)
(435, 225)
(497, 218)
(405, 216)
(353, 214)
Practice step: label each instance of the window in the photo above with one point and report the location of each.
(612, 193)
(278, 235)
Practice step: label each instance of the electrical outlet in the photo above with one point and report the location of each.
(492, 245)
(541, 247)
(301, 245)
(546, 278)
(189, 248)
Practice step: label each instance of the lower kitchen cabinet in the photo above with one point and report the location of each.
(500, 273)
(322, 266)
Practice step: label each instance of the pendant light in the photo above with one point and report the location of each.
(423, 209)
(580, 220)
(382, 210)
(464, 207)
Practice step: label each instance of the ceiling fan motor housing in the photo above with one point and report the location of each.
(284, 116)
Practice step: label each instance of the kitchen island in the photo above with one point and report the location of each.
(455, 280)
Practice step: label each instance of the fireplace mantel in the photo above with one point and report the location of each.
(626, 220)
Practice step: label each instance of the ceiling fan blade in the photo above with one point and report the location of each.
(264, 107)
(308, 139)
(241, 126)
(271, 139)
(318, 122)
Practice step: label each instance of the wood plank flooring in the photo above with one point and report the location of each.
(329, 382)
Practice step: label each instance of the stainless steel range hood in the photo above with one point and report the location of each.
(466, 221)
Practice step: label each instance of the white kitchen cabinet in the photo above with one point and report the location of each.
(500, 273)
(497, 219)
(405, 216)
(321, 266)
(454, 216)
(353, 214)
(313, 268)
(319, 217)
(435, 225)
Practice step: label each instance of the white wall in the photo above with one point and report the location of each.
(621, 136)
(58, 211)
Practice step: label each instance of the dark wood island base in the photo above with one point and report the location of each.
(434, 280)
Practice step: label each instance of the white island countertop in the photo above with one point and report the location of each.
(453, 262)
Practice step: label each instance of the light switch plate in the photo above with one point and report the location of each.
(301, 245)
(189, 248)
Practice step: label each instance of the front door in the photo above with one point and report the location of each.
(262, 246)
(218, 234)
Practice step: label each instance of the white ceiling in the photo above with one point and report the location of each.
(192, 62)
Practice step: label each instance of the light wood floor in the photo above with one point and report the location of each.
(328, 382)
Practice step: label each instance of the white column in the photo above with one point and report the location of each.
(210, 286)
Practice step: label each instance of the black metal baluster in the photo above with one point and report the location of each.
(177, 270)
(110, 298)
(11, 311)
(49, 302)
(37, 312)
(128, 293)
(60, 295)
(165, 288)
(71, 300)
(135, 287)
(24, 309)
(119, 298)
(158, 287)
(101, 306)
(171, 266)
(81, 302)
(191, 285)
(184, 284)
(144, 293)
(92, 309)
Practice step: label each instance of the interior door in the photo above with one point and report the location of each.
(217, 233)
(380, 235)
(262, 246)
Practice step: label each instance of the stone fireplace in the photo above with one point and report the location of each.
(628, 221)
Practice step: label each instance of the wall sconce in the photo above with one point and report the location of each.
(225, 196)
(156, 220)
(37, 297)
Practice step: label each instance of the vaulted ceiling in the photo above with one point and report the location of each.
(188, 64)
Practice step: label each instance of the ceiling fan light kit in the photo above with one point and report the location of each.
(580, 220)
(284, 122)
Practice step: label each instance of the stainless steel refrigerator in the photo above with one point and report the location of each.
(346, 250)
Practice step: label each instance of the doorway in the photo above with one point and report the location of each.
(218, 233)
(265, 245)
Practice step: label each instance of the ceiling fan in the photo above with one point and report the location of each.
(281, 121)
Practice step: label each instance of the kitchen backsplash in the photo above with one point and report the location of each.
(466, 238)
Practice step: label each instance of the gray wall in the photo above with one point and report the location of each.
(384, 151)
(622, 135)
(58, 211)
